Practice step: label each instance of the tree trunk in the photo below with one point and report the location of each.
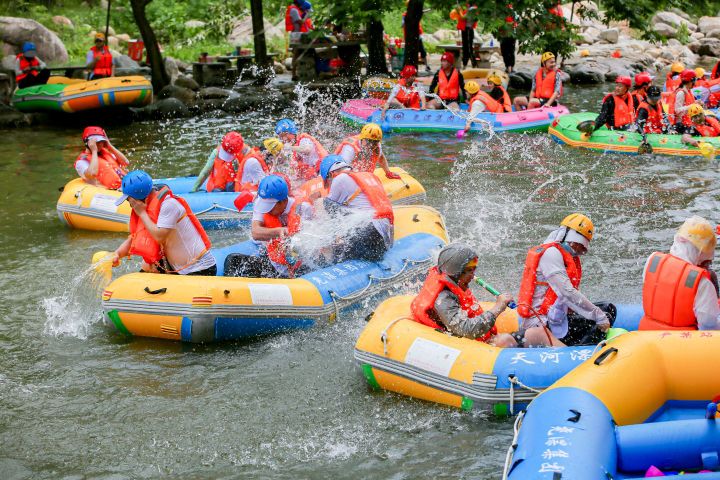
(376, 47)
(412, 32)
(160, 77)
(261, 57)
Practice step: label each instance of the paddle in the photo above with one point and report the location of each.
(102, 262)
(492, 290)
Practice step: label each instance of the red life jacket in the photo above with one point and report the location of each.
(407, 95)
(711, 127)
(624, 112)
(222, 173)
(545, 87)
(248, 186)
(448, 89)
(305, 171)
(277, 247)
(423, 306)
(672, 83)
(103, 66)
(689, 100)
(529, 281)
(110, 172)
(369, 184)
(669, 292)
(462, 23)
(655, 117)
(491, 105)
(27, 63)
(144, 245)
(638, 97)
(362, 162)
(289, 27)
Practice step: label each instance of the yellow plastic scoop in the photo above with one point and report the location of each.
(102, 263)
(707, 150)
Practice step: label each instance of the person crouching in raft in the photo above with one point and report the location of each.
(222, 164)
(650, 115)
(549, 292)
(307, 151)
(643, 81)
(257, 164)
(446, 302)
(618, 108)
(100, 163)
(546, 87)
(701, 125)
(448, 84)
(678, 291)
(479, 102)
(364, 151)
(163, 230)
(404, 94)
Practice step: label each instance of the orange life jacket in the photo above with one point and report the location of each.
(305, 171)
(545, 87)
(142, 242)
(362, 162)
(289, 27)
(529, 281)
(506, 102)
(110, 172)
(222, 173)
(407, 95)
(27, 63)
(689, 99)
(103, 66)
(711, 128)
(672, 83)
(423, 306)
(369, 184)
(277, 247)
(638, 97)
(449, 89)
(624, 112)
(491, 105)
(654, 118)
(248, 186)
(669, 291)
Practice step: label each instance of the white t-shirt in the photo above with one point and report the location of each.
(184, 244)
(311, 159)
(252, 172)
(342, 188)
(477, 108)
(348, 153)
(81, 167)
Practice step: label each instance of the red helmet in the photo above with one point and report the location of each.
(687, 75)
(448, 56)
(624, 81)
(90, 131)
(233, 143)
(408, 71)
(643, 78)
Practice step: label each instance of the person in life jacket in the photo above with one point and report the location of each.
(297, 16)
(546, 87)
(467, 23)
(680, 101)
(549, 289)
(701, 125)
(618, 108)
(678, 293)
(643, 80)
(276, 217)
(707, 90)
(29, 69)
(258, 164)
(448, 84)
(359, 202)
(222, 164)
(99, 60)
(672, 80)
(480, 101)
(163, 230)
(650, 115)
(364, 151)
(421, 45)
(498, 92)
(445, 301)
(404, 94)
(100, 163)
(307, 151)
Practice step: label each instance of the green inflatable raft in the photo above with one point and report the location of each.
(564, 131)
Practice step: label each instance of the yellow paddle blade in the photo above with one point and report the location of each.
(102, 263)
(707, 150)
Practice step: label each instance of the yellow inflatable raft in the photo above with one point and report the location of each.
(207, 309)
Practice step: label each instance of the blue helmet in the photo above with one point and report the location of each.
(327, 164)
(273, 187)
(136, 184)
(286, 126)
(28, 46)
(305, 5)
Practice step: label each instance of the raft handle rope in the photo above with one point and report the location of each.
(513, 446)
(603, 356)
(515, 381)
(78, 195)
(383, 334)
(155, 292)
(405, 186)
(214, 206)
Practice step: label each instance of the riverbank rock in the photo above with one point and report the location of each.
(674, 20)
(708, 24)
(242, 32)
(520, 80)
(9, 117)
(664, 30)
(610, 35)
(185, 95)
(165, 108)
(586, 74)
(63, 21)
(185, 81)
(255, 100)
(709, 47)
(444, 35)
(171, 68)
(15, 31)
(209, 93)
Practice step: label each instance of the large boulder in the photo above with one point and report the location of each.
(444, 35)
(209, 93)
(123, 61)
(709, 47)
(185, 95)
(707, 24)
(165, 108)
(15, 31)
(186, 81)
(713, 33)
(171, 68)
(664, 30)
(586, 73)
(610, 35)
(242, 32)
(63, 21)
(673, 19)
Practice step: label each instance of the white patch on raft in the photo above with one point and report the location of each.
(106, 203)
(431, 356)
(264, 294)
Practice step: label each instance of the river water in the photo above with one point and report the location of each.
(81, 401)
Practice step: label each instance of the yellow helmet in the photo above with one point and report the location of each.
(371, 131)
(273, 145)
(495, 79)
(546, 56)
(695, 109)
(472, 87)
(677, 67)
(700, 233)
(700, 72)
(580, 223)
